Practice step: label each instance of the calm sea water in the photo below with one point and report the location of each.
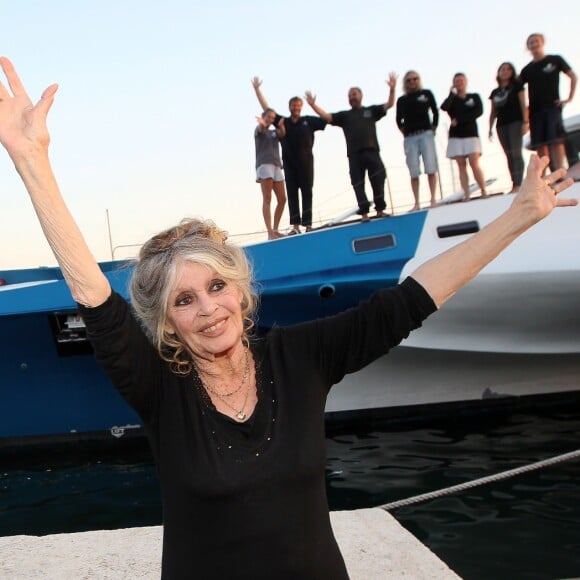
(524, 527)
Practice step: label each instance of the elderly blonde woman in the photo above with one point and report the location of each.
(236, 424)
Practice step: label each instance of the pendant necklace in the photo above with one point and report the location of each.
(240, 415)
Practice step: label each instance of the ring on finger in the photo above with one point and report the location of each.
(549, 184)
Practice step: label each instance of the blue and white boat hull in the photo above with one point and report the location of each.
(515, 330)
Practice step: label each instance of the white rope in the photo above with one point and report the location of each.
(481, 481)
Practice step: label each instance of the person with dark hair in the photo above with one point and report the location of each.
(236, 422)
(269, 172)
(508, 107)
(542, 76)
(297, 157)
(362, 145)
(417, 119)
(463, 109)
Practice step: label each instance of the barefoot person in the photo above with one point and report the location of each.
(362, 145)
(542, 76)
(508, 108)
(417, 119)
(464, 146)
(269, 172)
(297, 156)
(236, 422)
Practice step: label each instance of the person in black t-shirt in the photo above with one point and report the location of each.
(362, 145)
(463, 109)
(297, 156)
(417, 118)
(508, 107)
(542, 76)
(235, 422)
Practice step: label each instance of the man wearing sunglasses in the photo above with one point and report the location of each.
(417, 118)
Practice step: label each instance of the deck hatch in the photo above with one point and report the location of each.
(458, 229)
(373, 243)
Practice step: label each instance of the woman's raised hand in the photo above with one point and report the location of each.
(538, 195)
(24, 134)
(23, 128)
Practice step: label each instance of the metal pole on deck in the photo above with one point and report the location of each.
(441, 194)
(439, 175)
(389, 189)
(110, 236)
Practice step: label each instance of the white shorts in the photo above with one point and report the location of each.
(462, 147)
(269, 171)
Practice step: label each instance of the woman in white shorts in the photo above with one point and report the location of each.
(464, 108)
(269, 169)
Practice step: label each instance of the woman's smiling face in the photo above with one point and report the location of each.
(204, 311)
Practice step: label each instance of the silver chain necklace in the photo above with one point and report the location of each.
(240, 414)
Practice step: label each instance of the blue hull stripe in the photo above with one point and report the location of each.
(45, 393)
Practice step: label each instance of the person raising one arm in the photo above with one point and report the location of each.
(297, 145)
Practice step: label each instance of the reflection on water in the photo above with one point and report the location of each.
(527, 526)
(524, 527)
(98, 489)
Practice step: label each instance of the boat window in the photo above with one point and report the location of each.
(373, 243)
(458, 229)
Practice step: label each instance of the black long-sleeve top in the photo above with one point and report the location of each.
(465, 110)
(413, 112)
(248, 500)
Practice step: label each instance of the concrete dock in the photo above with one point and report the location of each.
(373, 543)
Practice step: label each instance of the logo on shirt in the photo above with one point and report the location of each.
(470, 102)
(500, 98)
(422, 99)
(549, 68)
(367, 114)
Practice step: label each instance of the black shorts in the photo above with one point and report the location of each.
(546, 127)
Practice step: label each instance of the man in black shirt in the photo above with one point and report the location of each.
(362, 145)
(297, 157)
(542, 75)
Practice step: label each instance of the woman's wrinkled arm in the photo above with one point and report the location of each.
(24, 135)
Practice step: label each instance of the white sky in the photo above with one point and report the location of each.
(155, 113)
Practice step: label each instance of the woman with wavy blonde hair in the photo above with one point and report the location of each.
(235, 422)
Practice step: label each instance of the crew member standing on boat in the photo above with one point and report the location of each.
(269, 172)
(236, 423)
(464, 108)
(542, 76)
(418, 127)
(362, 145)
(508, 106)
(297, 156)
